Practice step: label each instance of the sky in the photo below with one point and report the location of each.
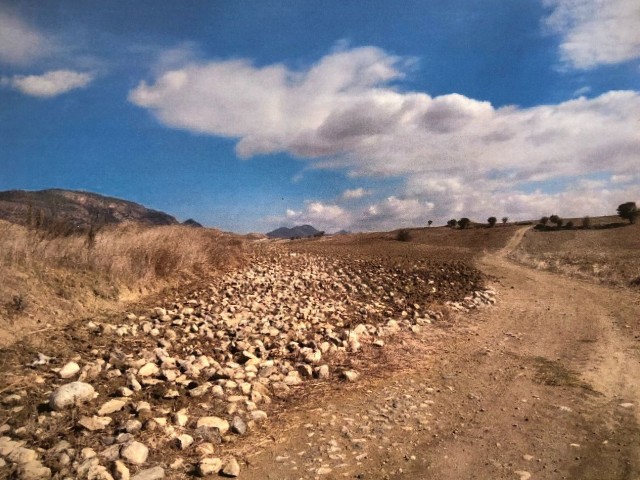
(357, 115)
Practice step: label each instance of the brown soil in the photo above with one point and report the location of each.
(543, 385)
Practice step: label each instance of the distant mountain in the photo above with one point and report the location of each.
(299, 231)
(343, 232)
(76, 209)
(192, 223)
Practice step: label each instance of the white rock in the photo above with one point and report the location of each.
(120, 471)
(71, 394)
(69, 370)
(135, 453)
(232, 468)
(148, 370)
(94, 423)
(184, 441)
(112, 406)
(209, 466)
(213, 422)
(155, 473)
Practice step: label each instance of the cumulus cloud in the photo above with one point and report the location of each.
(49, 84)
(20, 43)
(455, 153)
(353, 194)
(327, 217)
(596, 32)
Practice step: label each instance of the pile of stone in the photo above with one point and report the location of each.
(173, 387)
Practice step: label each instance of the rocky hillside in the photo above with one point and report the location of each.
(75, 208)
(300, 231)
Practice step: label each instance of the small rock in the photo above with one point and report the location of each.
(258, 415)
(527, 458)
(232, 468)
(120, 471)
(350, 375)
(135, 453)
(69, 370)
(523, 474)
(94, 423)
(209, 466)
(323, 471)
(626, 405)
(213, 422)
(71, 394)
(184, 441)
(155, 473)
(33, 470)
(238, 426)
(148, 370)
(112, 406)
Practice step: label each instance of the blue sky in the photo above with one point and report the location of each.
(344, 114)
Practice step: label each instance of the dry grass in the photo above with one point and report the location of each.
(53, 277)
(605, 255)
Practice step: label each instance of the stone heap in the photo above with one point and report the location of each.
(174, 386)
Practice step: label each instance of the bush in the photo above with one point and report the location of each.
(586, 223)
(569, 225)
(505, 220)
(452, 223)
(403, 235)
(557, 220)
(544, 220)
(492, 221)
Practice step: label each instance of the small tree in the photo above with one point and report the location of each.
(628, 211)
(505, 220)
(557, 220)
(464, 222)
(569, 224)
(492, 221)
(452, 223)
(586, 222)
(544, 220)
(429, 223)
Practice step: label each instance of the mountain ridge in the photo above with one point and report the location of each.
(294, 232)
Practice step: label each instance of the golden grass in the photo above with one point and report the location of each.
(53, 279)
(125, 254)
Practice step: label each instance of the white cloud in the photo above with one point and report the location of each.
(463, 156)
(596, 32)
(49, 84)
(20, 43)
(355, 193)
(327, 217)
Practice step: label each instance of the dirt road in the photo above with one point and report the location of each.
(544, 385)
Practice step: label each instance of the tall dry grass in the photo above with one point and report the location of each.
(126, 254)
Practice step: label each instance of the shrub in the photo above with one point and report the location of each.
(569, 224)
(586, 222)
(403, 235)
(505, 220)
(429, 223)
(452, 223)
(544, 220)
(492, 221)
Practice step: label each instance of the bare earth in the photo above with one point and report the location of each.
(546, 384)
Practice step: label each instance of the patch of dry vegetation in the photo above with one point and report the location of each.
(48, 276)
(606, 255)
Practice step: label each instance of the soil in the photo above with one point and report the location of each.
(546, 384)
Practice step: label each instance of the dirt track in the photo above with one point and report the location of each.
(543, 385)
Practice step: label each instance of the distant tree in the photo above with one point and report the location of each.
(544, 220)
(452, 223)
(569, 224)
(492, 221)
(464, 222)
(505, 220)
(557, 220)
(586, 222)
(429, 223)
(628, 211)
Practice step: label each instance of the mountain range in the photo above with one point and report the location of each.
(300, 231)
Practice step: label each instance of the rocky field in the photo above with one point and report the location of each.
(176, 389)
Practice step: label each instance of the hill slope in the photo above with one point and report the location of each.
(79, 209)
